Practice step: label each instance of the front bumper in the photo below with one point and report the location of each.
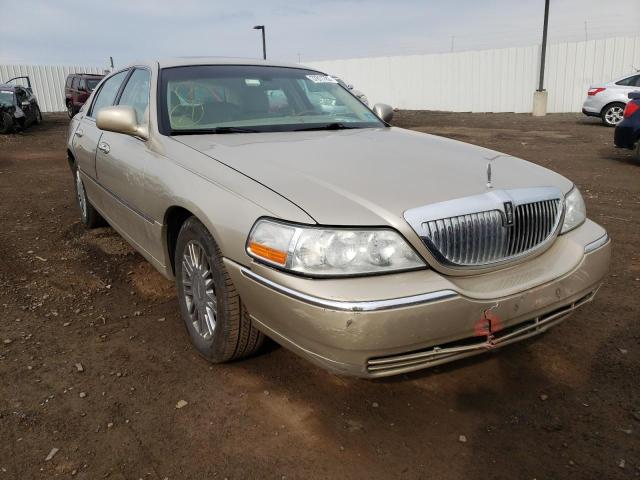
(424, 319)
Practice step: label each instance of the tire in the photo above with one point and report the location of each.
(6, 122)
(611, 115)
(38, 119)
(636, 154)
(88, 215)
(214, 315)
(70, 110)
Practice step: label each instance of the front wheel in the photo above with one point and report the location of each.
(70, 109)
(214, 315)
(6, 122)
(612, 114)
(38, 116)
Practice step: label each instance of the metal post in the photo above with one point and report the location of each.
(111, 60)
(264, 43)
(543, 53)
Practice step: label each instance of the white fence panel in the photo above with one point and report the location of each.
(499, 80)
(47, 81)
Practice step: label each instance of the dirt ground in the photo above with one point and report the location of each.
(566, 405)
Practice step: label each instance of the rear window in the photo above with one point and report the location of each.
(633, 81)
(92, 83)
(69, 80)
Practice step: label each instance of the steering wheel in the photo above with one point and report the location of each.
(192, 115)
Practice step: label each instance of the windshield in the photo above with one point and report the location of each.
(6, 98)
(241, 98)
(92, 82)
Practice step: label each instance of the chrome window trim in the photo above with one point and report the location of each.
(339, 305)
(596, 244)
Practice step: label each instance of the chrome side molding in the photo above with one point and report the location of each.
(339, 305)
(597, 243)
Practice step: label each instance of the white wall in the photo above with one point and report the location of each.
(501, 80)
(47, 81)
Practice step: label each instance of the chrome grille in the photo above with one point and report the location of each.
(501, 225)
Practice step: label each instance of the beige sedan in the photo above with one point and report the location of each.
(368, 249)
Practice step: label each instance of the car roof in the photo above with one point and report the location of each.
(625, 76)
(85, 75)
(187, 61)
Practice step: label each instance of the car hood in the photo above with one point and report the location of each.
(368, 176)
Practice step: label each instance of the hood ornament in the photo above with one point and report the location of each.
(489, 185)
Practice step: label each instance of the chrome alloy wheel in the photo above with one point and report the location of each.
(82, 196)
(614, 115)
(199, 292)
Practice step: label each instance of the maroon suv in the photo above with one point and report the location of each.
(78, 88)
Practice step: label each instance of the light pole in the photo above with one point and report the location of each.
(540, 95)
(264, 44)
(543, 52)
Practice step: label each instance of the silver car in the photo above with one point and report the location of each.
(368, 249)
(607, 100)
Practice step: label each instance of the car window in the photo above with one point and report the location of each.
(69, 80)
(76, 82)
(92, 83)
(6, 97)
(136, 94)
(257, 98)
(633, 81)
(107, 94)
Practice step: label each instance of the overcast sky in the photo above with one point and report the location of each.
(89, 31)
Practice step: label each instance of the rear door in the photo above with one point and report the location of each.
(627, 85)
(87, 134)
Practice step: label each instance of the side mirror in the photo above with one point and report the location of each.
(383, 111)
(121, 119)
(634, 95)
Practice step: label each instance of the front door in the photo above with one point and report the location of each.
(121, 162)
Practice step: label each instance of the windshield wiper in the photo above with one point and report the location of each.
(328, 126)
(198, 131)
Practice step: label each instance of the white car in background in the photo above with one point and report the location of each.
(608, 100)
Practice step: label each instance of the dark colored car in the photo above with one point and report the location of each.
(627, 134)
(18, 108)
(77, 89)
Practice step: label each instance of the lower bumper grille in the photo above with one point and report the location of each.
(407, 362)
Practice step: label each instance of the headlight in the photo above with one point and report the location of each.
(575, 212)
(318, 251)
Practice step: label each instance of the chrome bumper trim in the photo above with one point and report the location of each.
(401, 363)
(597, 244)
(364, 306)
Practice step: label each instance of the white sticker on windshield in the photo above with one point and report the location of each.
(252, 82)
(322, 79)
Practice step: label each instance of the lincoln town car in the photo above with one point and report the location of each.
(284, 207)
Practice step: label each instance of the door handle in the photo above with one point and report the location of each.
(79, 132)
(104, 147)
